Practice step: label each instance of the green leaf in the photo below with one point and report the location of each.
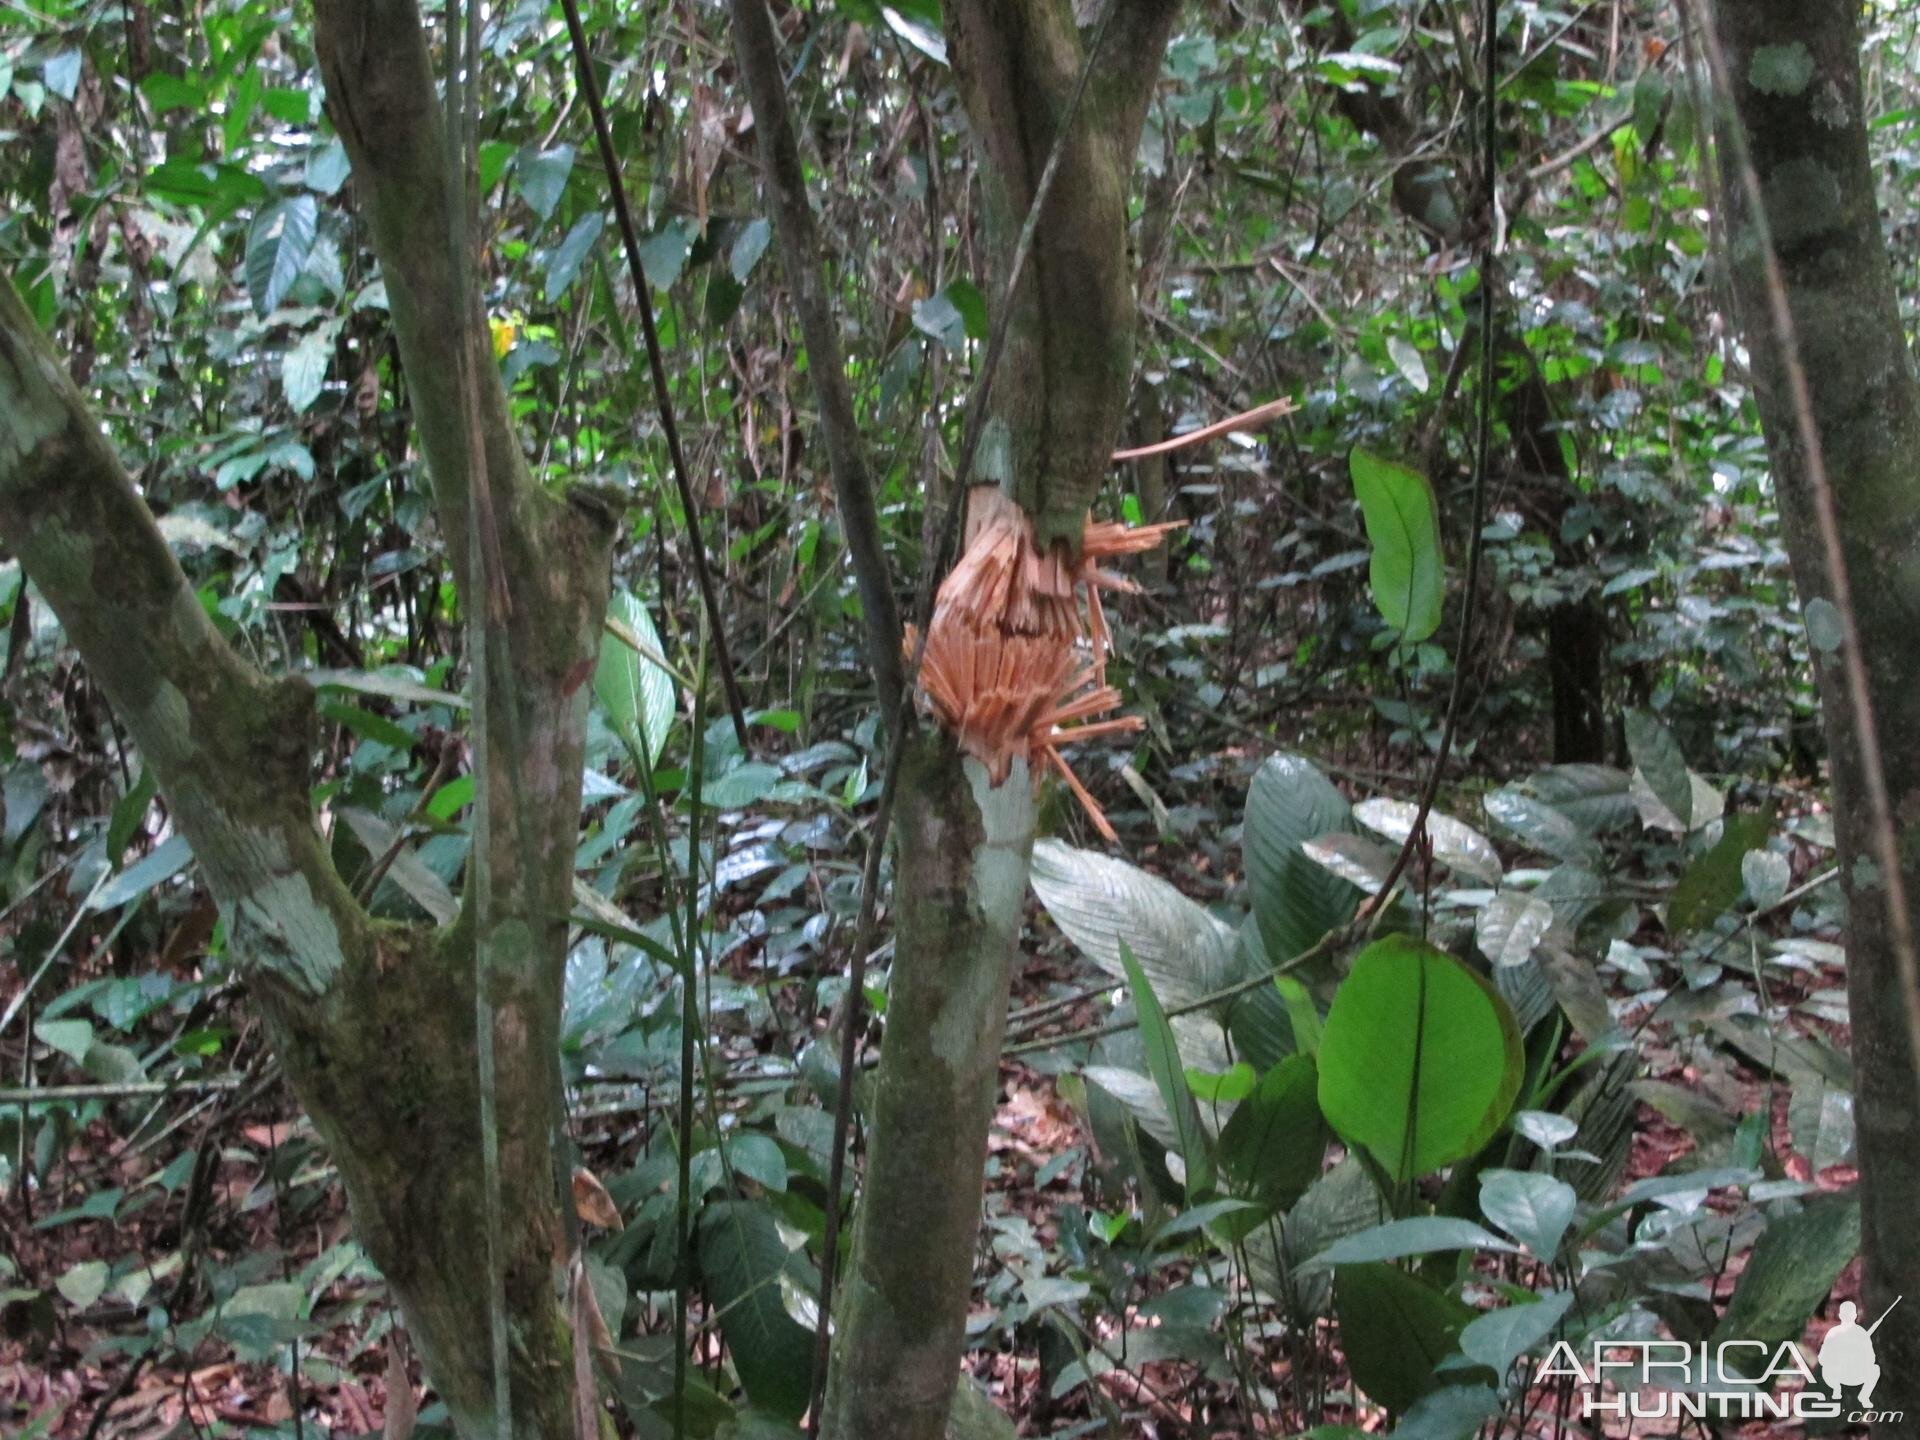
(940, 318)
(1715, 880)
(62, 73)
(72, 1038)
(918, 26)
(1421, 1059)
(1406, 359)
(1099, 902)
(1656, 754)
(748, 246)
(162, 863)
(1794, 1266)
(1416, 1235)
(1273, 1143)
(327, 168)
(1500, 1337)
(1542, 827)
(1394, 1327)
(303, 369)
(540, 176)
(1530, 1205)
(83, 1284)
(631, 683)
(663, 254)
(1408, 572)
(1453, 1412)
(1169, 1076)
(166, 92)
(759, 1158)
(566, 258)
(742, 1258)
(1510, 926)
(1296, 900)
(277, 249)
(128, 811)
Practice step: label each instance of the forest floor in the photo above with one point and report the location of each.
(65, 1368)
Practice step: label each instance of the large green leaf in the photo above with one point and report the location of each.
(630, 679)
(1793, 1269)
(277, 249)
(1394, 1328)
(1407, 572)
(741, 1261)
(1169, 1076)
(1714, 881)
(1421, 1059)
(1295, 899)
(1099, 901)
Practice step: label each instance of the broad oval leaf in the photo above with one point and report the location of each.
(1395, 1327)
(1542, 827)
(1656, 755)
(1407, 572)
(742, 1258)
(1272, 1146)
(1421, 1059)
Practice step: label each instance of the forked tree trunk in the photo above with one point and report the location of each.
(375, 1022)
(964, 842)
(1795, 74)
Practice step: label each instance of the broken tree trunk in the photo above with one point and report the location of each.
(966, 823)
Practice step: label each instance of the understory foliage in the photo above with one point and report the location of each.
(1278, 1152)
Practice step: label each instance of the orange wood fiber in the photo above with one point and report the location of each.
(1016, 659)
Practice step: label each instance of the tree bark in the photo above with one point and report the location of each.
(376, 1022)
(1795, 77)
(963, 842)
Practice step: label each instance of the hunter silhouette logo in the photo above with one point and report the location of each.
(1846, 1355)
(1730, 1379)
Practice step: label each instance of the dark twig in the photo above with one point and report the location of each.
(656, 365)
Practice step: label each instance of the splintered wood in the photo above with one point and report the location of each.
(1016, 659)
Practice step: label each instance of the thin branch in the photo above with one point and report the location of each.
(657, 367)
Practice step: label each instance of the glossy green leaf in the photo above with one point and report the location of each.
(1420, 1060)
(1407, 571)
